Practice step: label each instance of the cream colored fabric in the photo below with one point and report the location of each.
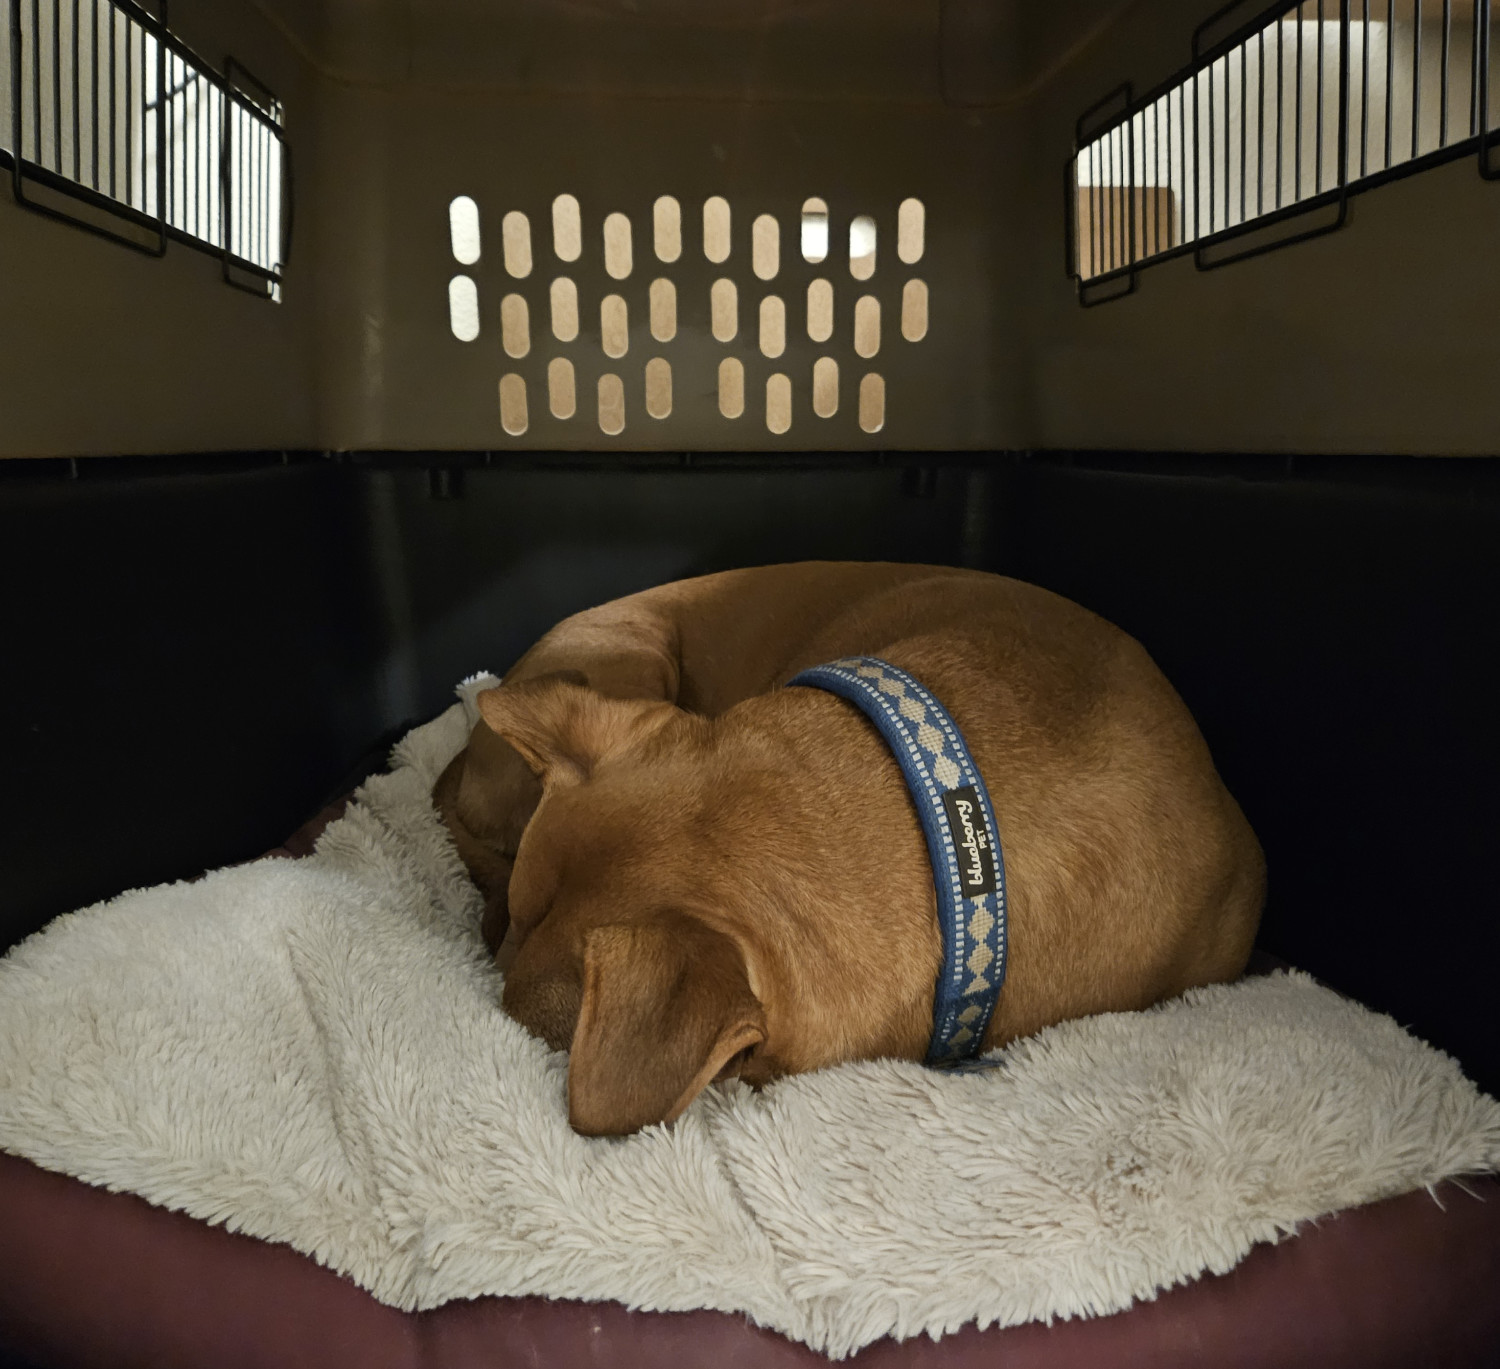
(312, 1052)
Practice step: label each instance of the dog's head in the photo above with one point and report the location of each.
(623, 944)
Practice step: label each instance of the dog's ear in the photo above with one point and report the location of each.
(562, 728)
(666, 1009)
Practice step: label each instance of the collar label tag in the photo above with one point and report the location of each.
(973, 840)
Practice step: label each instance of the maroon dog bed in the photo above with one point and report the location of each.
(95, 1278)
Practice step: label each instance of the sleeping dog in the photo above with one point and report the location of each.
(693, 871)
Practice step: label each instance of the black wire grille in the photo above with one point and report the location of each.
(1277, 121)
(111, 123)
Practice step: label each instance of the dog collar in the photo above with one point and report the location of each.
(963, 841)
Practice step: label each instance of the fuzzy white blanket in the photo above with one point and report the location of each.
(312, 1052)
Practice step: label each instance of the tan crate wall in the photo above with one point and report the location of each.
(1376, 339)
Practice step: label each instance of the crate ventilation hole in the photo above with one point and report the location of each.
(767, 318)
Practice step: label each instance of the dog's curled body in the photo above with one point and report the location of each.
(691, 871)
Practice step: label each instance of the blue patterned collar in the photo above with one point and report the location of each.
(963, 841)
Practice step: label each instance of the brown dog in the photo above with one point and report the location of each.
(697, 873)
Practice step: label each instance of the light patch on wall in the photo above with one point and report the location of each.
(867, 325)
(611, 404)
(515, 237)
(872, 403)
(716, 229)
(560, 392)
(911, 231)
(513, 404)
(778, 403)
(723, 309)
(820, 310)
(862, 247)
(614, 325)
(463, 229)
(617, 251)
(515, 326)
(825, 399)
(658, 387)
(564, 309)
(663, 309)
(463, 308)
(772, 326)
(765, 246)
(666, 218)
(731, 387)
(814, 230)
(567, 228)
(914, 310)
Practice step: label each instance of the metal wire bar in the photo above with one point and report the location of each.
(1182, 157)
(201, 228)
(1197, 186)
(1244, 124)
(260, 198)
(1416, 74)
(255, 179)
(1474, 58)
(1364, 91)
(1170, 177)
(36, 78)
(1318, 126)
(1096, 212)
(129, 117)
(242, 199)
(1157, 242)
(113, 179)
(1150, 206)
(1443, 79)
(1297, 151)
(1212, 139)
(1280, 107)
(77, 111)
(57, 84)
(1260, 123)
(205, 128)
(1112, 204)
(1390, 75)
(202, 159)
(1484, 27)
(184, 132)
(165, 99)
(94, 82)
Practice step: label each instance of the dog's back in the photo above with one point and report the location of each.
(1133, 873)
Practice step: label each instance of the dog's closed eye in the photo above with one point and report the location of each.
(735, 1064)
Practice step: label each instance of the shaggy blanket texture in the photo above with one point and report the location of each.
(312, 1052)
